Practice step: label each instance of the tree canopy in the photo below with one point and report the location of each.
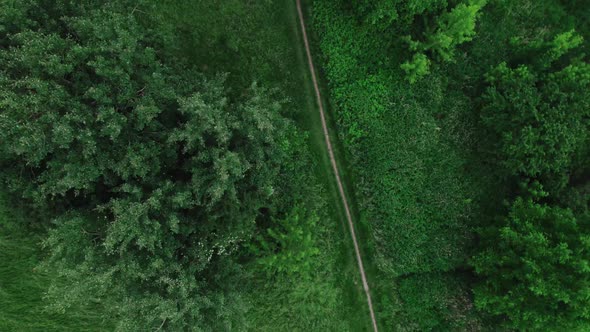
(533, 260)
(536, 272)
(153, 175)
(539, 112)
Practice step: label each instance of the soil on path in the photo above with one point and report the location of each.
(335, 167)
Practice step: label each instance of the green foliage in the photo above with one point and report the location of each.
(563, 43)
(288, 246)
(536, 269)
(292, 303)
(155, 174)
(539, 117)
(384, 13)
(441, 302)
(427, 28)
(454, 28)
(23, 284)
(532, 261)
(405, 146)
(390, 182)
(417, 68)
(306, 293)
(428, 165)
(157, 171)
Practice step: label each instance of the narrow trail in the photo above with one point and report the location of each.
(335, 167)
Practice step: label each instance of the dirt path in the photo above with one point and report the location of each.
(335, 167)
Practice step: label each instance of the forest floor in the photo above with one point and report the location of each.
(335, 169)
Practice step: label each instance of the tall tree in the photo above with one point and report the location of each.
(539, 113)
(536, 268)
(533, 262)
(453, 28)
(153, 175)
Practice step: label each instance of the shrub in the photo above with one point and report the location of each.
(417, 68)
(288, 247)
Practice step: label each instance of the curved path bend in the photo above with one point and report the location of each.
(335, 167)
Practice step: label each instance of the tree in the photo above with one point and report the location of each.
(154, 176)
(533, 261)
(453, 29)
(417, 68)
(538, 115)
(288, 246)
(562, 44)
(535, 268)
(429, 30)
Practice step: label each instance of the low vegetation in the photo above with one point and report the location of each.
(23, 284)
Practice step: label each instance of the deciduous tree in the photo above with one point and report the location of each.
(536, 268)
(153, 175)
(539, 114)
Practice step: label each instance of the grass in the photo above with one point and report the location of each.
(347, 270)
(22, 284)
(348, 178)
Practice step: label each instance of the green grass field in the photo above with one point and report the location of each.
(23, 284)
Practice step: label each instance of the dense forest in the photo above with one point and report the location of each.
(163, 165)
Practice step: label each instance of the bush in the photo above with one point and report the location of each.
(406, 158)
(532, 261)
(453, 29)
(417, 68)
(439, 300)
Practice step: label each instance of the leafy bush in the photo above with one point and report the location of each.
(439, 300)
(417, 68)
(453, 28)
(532, 261)
(429, 31)
(428, 165)
(23, 284)
(405, 145)
(385, 13)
